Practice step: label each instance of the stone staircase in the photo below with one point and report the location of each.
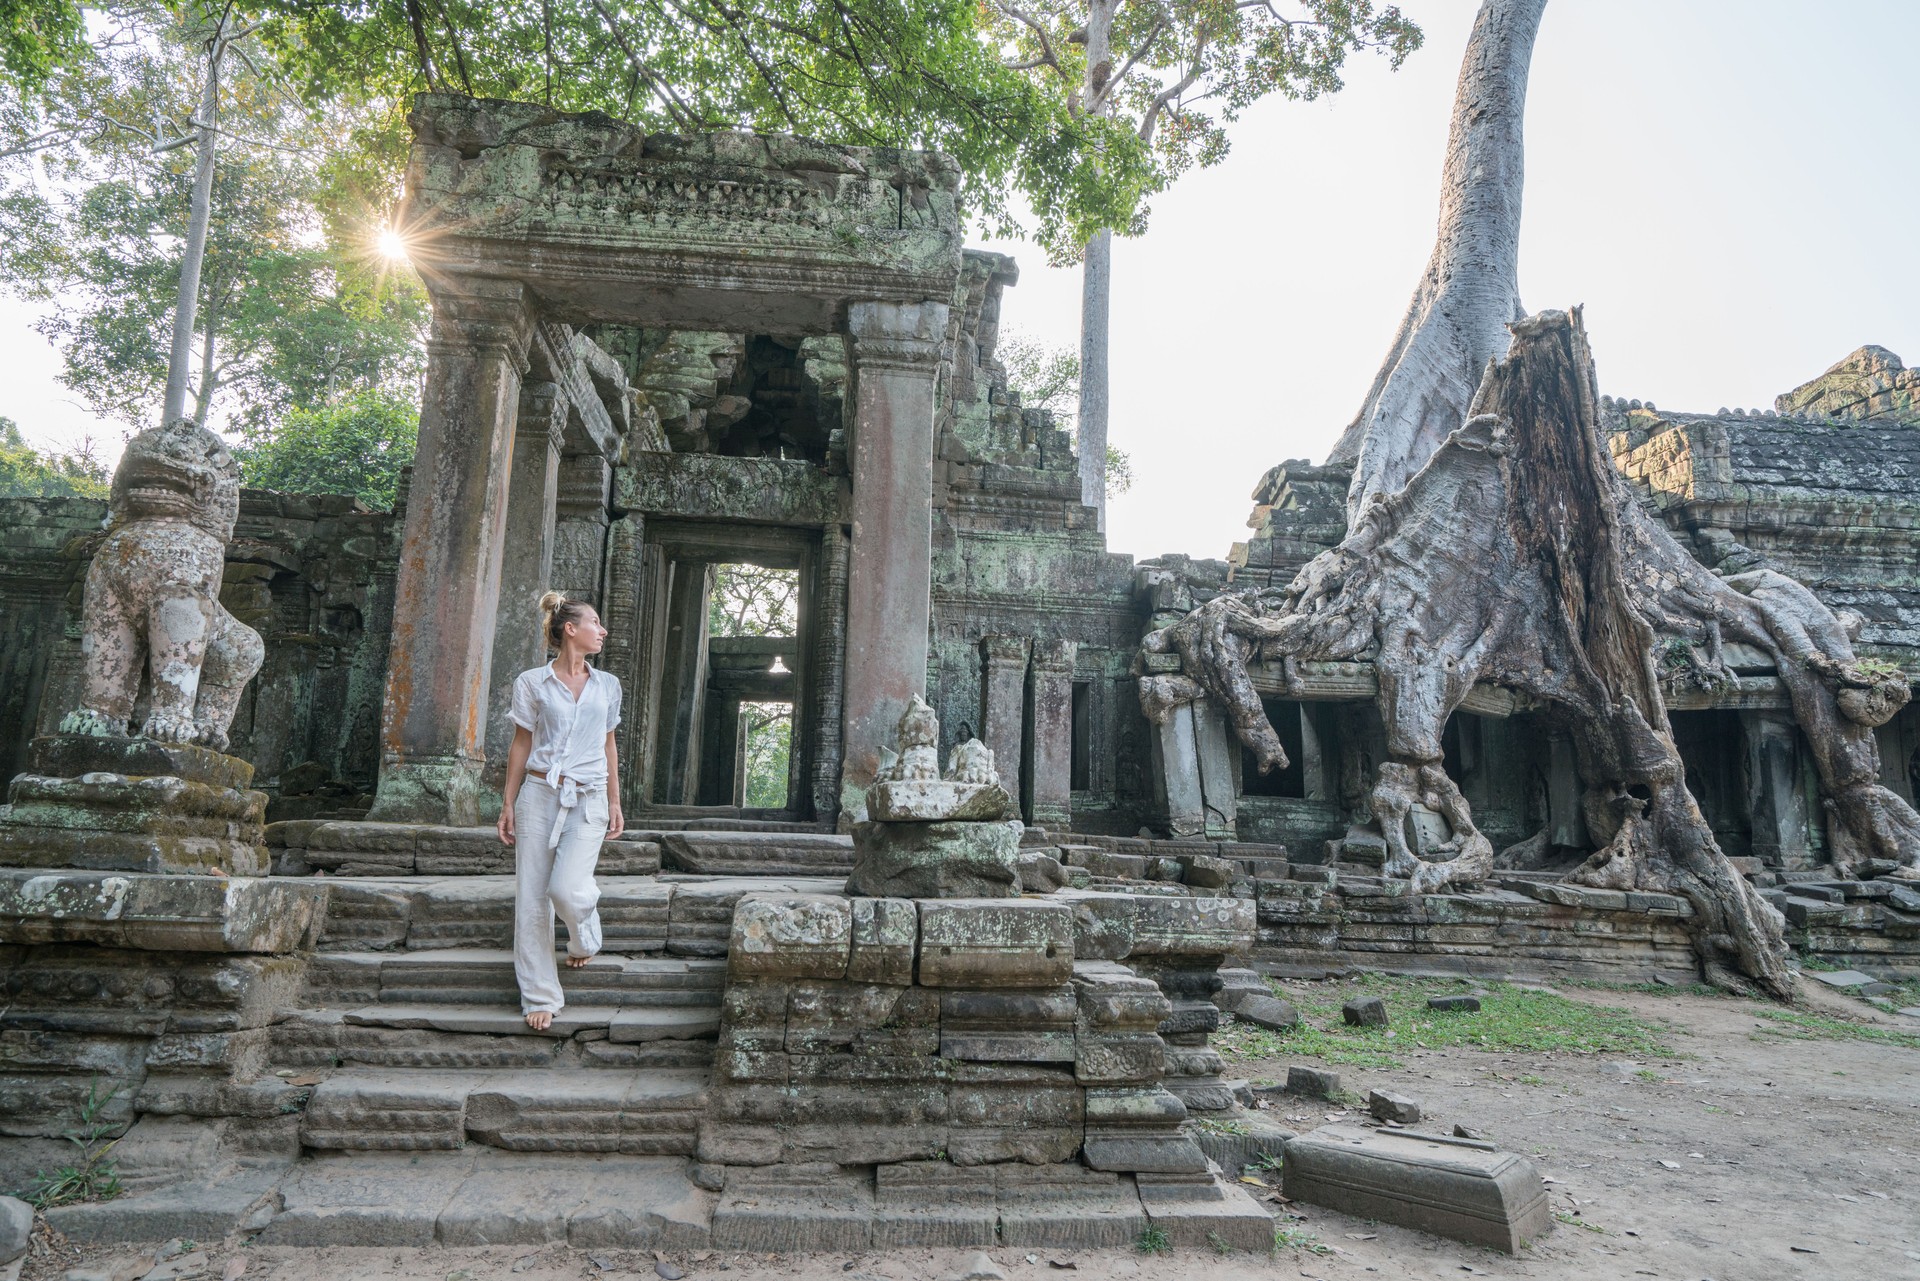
(408, 1031)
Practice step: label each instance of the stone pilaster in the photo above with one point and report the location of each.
(446, 595)
(1051, 781)
(580, 526)
(896, 350)
(1003, 704)
(526, 560)
(827, 672)
(621, 611)
(1777, 777)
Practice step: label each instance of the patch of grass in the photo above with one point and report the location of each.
(1650, 1076)
(1223, 1128)
(1219, 1243)
(95, 1176)
(1511, 1019)
(1299, 1239)
(1575, 1221)
(1272, 1162)
(1531, 1079)
(1153, 1240)
(1799, 1026)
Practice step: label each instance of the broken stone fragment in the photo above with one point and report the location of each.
(1041, 873)
(1454, 1004)
(1365, 1011)
(1398, 1108)
(16, 1227)
(935, 860)
(1269, 1012)
(1203, 871)
(1313, 1083)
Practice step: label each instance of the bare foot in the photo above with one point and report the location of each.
(540, 1020)
(576, 962)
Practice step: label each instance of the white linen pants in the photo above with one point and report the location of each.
(554, 876)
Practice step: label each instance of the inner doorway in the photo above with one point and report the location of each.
(731, 721)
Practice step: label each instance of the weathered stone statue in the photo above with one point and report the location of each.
(152, 604)
(934, 837)
(169, 800)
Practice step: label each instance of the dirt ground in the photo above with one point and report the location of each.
(1748, 1157)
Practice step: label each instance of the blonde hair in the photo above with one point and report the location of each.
(556, 611)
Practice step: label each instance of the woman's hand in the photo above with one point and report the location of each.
(616, 821)
(504, 825)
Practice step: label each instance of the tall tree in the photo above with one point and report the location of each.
(1153, 84)
(107, 191)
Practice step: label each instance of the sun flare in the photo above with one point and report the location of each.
(392, 245)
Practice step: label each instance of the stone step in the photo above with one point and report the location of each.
(679, 914)
(484, 976)
(646, 1112)
(416, 1037)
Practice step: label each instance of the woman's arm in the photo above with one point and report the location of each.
(516, 775)
(616, 821)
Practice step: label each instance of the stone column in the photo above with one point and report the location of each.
(1176, 761)
(447, 591)
(1219, 770)
(1052, 783)
(1566, 823)
(827, 674)
(896, 351)
(1776, 777)
(1003, 704)
(526, 562)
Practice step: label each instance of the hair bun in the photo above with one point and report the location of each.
(552, 601)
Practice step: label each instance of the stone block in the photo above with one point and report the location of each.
(1313, 1083)
(166, 913)
(982, 943)
(198, 1209)
(795, 1208)
(791, 936)
(1204, 1210)
(936, 800)
(1256, 1141)
(1454, 1004)
(885, 932)
(1269, 1012)
(1191, 927)
(1388, 1106)
(936, 860)
(1365, 1011)
(756, 853)
(1457, 1188)
(391, 1111)
(1042, 873)
(638, 1203)
(365, 1199)
(71, 755)
(1067, 1206)
(16, 1228)
(1205, 872)
(1001, 1026)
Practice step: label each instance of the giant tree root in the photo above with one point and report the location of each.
(1519, 556)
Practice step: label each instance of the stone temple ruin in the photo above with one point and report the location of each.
(957, 987)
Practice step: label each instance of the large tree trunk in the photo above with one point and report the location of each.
(1491, 539)
(187, 299)
(1470, 290)
(1096, 283)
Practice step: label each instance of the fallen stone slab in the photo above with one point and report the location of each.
(367, 1199)
(1454, 1004)
(1269, 1012)
(198, 1211)
(1456, 1188)
(1365, 1011)
(1848, 981)
(1255, 1141)
(1398, 1108)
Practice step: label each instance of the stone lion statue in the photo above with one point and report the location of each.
(152, 604)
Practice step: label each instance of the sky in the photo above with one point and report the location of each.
(1728, 186)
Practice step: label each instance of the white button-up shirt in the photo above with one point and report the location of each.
(569, 734)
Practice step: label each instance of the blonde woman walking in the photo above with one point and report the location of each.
(562, 799)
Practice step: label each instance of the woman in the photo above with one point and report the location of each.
(564, 715)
